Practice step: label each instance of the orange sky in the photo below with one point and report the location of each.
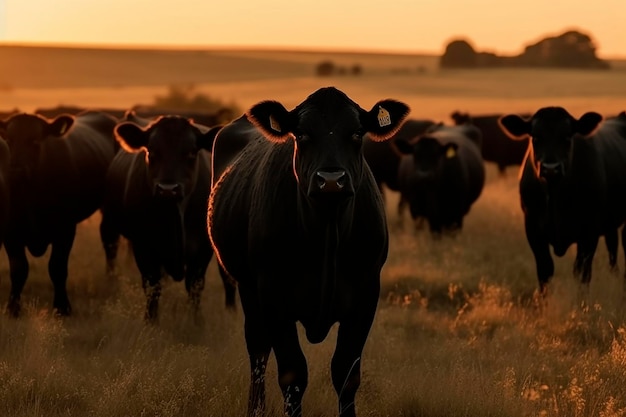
(393, 25)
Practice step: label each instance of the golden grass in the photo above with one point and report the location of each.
(458, 331)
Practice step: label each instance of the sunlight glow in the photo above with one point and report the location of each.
(402, 25)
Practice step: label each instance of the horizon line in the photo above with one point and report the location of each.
(242, 48)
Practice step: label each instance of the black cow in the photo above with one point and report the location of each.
(572, 185)
(205, 118)
(497, 147)
(297, 220)
(4, 188)
(56, 180)
(384, 158)
(442, 175)
(156, 196)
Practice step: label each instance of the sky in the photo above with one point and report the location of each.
(410, 26)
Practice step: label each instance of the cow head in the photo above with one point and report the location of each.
(327, 131)
(26, 134)
(172, 145)
(429, 155)
(552, 131)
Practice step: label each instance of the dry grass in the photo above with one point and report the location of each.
(458, 331)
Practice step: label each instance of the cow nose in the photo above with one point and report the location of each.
(551, 169)
(174, 191)
(330, 182)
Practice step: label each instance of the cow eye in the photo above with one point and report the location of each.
(357, 136)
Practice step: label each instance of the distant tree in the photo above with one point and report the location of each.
(325, 68)
(356, 69)
(185, 97)
(458, 54)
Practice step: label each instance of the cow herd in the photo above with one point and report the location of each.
(290, 203)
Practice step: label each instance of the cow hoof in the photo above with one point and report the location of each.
(63, 310)
(13, 309)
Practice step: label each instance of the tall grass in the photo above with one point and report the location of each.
(458, 332)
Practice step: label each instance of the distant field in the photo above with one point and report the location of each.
(458, 332)
(33, 77)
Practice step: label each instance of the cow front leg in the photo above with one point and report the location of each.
(57, 268)
(586, 251)
(18, 265)
(292, 367)
(194, 284)
(346, 362)
(150, 269)
(541, 251)
(110, 238)
(259, 348)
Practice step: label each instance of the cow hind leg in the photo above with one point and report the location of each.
(586, 251)
(18, 265)
(624, 247)
(230, 289)
(611, 241)
(259, 348)
(57, 268)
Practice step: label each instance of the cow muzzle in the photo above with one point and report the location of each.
(551, 169)
(169, 191)
(330, 181)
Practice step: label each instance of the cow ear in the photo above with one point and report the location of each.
(131, 137)
(587, 123)
(60, 125)
(385, 119)
(206, 139)
(450, 150)
(272, 119)
(514, 126)
(404, 146)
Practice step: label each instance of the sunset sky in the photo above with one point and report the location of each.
(395, 25)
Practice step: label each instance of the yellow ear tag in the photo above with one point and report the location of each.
(274, 124)
(384, 118)
(451, 152)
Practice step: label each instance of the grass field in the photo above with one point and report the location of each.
(457, 334)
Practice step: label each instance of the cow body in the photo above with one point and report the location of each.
(56, 180)
(442, 174)
(497, 147)
(156, 197)
(572, 185)
(297, 220)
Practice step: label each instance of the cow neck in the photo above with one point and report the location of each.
(326, 228)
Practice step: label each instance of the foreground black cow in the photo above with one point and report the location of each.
(442, 175)
(573, 185)
(56, 180)
(497, 147)
(156, 196)
(298, 221)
